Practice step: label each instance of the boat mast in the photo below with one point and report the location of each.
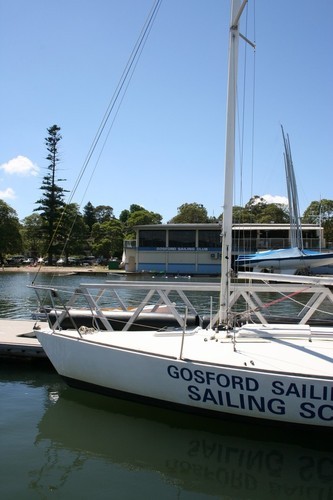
(296, 237)
(236, 11)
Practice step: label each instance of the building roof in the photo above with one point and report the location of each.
(218, 226)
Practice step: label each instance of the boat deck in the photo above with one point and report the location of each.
(255, 348)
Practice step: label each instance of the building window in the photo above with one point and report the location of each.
(182, 239)
(209, 238)
(151, 238)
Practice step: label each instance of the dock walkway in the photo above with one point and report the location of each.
(18, 339)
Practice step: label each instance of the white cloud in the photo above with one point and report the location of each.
(21, 165)
(271, 198)
(7, 194)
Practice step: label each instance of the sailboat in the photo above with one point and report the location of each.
(295, 259)
(266, 373)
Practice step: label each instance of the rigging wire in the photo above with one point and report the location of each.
(130, 65)
(242, 239)
(241, 121)
(253, 98)
(118, 108)
(115, 103)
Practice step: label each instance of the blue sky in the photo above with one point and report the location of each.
(61, 62)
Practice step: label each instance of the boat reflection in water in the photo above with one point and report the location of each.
(192, 454)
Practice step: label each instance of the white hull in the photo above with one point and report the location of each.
(264, 376)
(296, 264)
(279, 261)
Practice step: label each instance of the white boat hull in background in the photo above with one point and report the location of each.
(287, 260)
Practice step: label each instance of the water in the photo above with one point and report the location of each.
(18, 301)
(61, 443)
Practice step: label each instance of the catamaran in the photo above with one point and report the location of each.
(231, 368)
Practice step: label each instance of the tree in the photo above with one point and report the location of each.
(10, 236)
(103, 213)
(108, 239)
(135, 208)
(241, 215)
(137, 216)
(124, 215)
(32, 235)
(321, 213)
(318, 211)
(52, 202)
(89, 215)
(261, 212)
(141, 218)
(274, 213)
(258, 211)
(72, 234)
(190, 213)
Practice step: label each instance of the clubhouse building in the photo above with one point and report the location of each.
(196, 248)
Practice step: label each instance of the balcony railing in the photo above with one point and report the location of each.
(254, 244)
(257, 244)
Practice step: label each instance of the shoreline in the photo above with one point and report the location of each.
(61, 269)
(97, 270)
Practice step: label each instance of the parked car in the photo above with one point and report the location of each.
(15, 260)
(29, 261)
(88, 261)
(102, 261)
(74, 261)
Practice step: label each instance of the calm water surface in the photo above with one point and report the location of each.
(18, 301)
(61, 443)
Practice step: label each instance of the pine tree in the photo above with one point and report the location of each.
(52, 202)
(89, 215)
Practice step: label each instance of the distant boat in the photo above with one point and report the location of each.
(233, 368)
(284, 260)
(291, 260)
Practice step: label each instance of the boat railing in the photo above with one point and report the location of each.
(131, 301)
(134, 299)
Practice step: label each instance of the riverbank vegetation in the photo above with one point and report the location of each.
(96, 231)
(59, 229)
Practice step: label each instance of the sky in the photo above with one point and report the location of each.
(164, 142)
